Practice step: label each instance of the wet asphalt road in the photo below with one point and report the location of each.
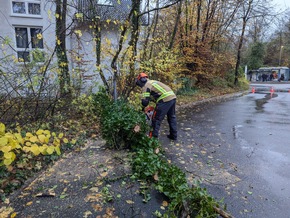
(240, 151)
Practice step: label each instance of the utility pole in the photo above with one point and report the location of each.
(281, 49)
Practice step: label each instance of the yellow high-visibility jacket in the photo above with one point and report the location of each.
(156, 91)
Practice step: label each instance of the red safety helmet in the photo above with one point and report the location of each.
(142, 75)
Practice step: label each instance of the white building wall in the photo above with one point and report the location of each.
(8, 51)
(9, 21)
(83, 47)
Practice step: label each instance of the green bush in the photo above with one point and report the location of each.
(121, 125)
(187, 87)
(219, 82)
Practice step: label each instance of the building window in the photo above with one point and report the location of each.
(26, 7)
(105, 2)
(29, 44)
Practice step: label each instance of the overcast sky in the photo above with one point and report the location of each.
(282, 3)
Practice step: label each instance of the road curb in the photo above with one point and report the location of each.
(212, 99)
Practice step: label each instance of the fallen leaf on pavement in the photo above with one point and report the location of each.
(5, 211)
(104, 174)
(93, 198)
(97, 207)
(87, 213)
(94, 189)
(29, 203)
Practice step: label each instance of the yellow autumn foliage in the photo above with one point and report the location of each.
(46, 132)
(56, 142)
(5, 149)
(26, 149)
(2, 129)
(35, 149)
(43, 138)
(43, 149)
(57, 150)
(3, 141)
(9, 155)
(50, 150)
(60, 135)
(33, 139)
(19, 138)
(29, 135)
(41, 142)
(39, 132)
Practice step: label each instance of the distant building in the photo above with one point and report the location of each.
(269, 74)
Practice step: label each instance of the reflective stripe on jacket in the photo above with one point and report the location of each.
(157, 91)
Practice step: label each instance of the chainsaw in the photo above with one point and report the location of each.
(150, 113)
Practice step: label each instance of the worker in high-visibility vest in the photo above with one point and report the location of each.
(165, 100)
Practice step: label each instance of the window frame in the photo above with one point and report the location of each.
(30, 46)
(26, 8)
(105, 3)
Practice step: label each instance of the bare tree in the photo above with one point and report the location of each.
(61, 51)
(179, 10)
(249, 9)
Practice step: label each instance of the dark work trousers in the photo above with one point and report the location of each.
(162, 109)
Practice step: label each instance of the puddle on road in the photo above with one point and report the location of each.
(260, 102)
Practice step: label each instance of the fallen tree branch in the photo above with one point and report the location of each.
(223, 213)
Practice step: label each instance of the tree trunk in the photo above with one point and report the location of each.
(210, 14)
(135, 25)
(98, 40)
(149, 28)
(125, 28)
(240, 45)
(176, 25)
(136, 4)
(156, 16)
(198, 20)
(63, 76)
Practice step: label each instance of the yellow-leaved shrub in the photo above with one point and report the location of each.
(42, 142)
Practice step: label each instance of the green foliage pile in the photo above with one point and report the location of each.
(120, 124)
(149, 163)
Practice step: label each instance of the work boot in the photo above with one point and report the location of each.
(172, 137)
